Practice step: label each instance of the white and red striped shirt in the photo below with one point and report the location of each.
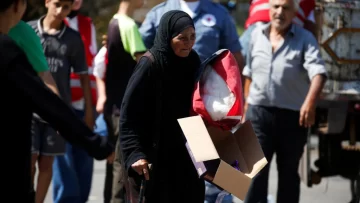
(259, 12)
(84, 24)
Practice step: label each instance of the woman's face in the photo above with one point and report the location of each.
(183, 42)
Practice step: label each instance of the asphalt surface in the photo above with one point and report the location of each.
(330, 190)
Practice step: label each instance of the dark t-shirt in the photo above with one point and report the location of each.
(124, 40)
(63, 50)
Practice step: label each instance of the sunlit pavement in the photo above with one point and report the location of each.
(331, 190)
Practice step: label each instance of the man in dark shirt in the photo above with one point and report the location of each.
(24, 93)
(64, 50)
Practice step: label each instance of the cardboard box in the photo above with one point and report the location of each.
(213, 152)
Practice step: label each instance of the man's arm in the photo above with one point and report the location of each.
(78, 62)
(148, 30)
(49, 81)
(315, 67)
(89, 106)
(99, 73)
(317, 84)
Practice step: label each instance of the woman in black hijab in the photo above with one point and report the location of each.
(159, 92)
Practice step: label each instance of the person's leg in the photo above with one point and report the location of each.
(44, 177)
(35, 150)
(65, 180)
(109, 166)
(83, 164)
(108, 183)
(35, 146)
(118, 189)
(83, 168)
(211, 193)
(292, 139)
(261, 119)
(119, 177)
(52, 145)
(65, 187)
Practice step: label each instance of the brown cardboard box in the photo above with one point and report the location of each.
(214, 151)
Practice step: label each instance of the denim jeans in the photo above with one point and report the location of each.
(211, 193)
(72, 174)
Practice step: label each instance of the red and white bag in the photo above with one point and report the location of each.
(218, 95)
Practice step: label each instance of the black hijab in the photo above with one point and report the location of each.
(171, 24)
(177, 73)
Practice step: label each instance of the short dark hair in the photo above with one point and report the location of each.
(5, 4)
(72, 1)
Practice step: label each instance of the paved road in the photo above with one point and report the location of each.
(331, 190)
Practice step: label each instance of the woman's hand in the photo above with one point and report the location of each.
(141, 167)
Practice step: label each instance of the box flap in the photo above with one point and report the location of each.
(227, 147)
(198, 138)
(232, 180)
(250, 149)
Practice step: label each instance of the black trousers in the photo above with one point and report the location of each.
(278, 132)
(114, 190)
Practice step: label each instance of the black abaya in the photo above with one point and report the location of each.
(174, 178)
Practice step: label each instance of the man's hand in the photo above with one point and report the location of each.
(307, 115)
(141, 167)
